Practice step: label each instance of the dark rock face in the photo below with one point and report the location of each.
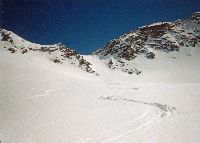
(156, 31)
(164, 36)
(150, 55)
(12, 50)
(129, 46)
(195, 16)
(6, 37)
(167, 37)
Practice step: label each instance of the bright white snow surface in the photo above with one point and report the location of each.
(44, 102)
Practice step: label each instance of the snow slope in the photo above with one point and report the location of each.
(44, 101)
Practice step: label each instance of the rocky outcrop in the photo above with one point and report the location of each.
(57, 53)
(162, 36)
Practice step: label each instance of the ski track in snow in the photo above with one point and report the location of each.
(131, 127)
(105, 133)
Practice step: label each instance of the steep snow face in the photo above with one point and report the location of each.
(149, 41)
(56, 53)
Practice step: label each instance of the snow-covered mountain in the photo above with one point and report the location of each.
(148, 41)
(127, 52)
(45, 97)
(57, 53)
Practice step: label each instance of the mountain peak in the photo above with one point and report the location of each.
(57, 53)
(147, 40)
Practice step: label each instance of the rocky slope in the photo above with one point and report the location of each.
(123, 53)
(57, 53)
(145, 41)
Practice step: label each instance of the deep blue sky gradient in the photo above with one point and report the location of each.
(87, 25)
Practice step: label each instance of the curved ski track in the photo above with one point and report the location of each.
(159, 112)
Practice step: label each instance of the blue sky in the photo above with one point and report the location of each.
(87, 25)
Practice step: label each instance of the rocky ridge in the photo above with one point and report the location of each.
(57, 53)
(163, 36)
